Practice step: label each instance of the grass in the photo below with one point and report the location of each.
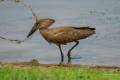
(30, 72)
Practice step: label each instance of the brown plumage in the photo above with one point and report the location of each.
(61, 35)
(65, 34)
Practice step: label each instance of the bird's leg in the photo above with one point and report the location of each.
(62, 55)
(69, 52)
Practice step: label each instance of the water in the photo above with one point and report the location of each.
(102, 48)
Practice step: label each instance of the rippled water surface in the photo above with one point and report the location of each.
(102, 48)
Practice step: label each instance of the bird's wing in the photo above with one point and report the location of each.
(73, 33)
(64, 35)
(69, 34)
(62, 31)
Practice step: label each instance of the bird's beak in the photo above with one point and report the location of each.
(34, 28)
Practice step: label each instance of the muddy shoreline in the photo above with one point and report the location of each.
(65, 65)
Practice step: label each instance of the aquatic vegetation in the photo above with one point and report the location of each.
(10, 72)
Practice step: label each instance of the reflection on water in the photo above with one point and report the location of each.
(16, 21)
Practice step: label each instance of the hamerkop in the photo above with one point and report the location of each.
(61, 35)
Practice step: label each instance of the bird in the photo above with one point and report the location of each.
(61, 35)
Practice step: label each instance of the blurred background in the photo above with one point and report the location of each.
(103, 48)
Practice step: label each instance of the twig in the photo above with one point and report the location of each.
(13, 40)
(25, 5)
(33, 13)
(30, 8)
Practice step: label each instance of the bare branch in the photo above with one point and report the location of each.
(30, 8)
(25, 5)
(12, 40)
(16, 0)
(11, 0)
(1, 0)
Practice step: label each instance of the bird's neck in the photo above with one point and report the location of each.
(44, 32)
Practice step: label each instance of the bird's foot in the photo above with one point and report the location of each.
(61, 63)
(68, 63)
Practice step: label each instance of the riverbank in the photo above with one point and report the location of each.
(35, 71)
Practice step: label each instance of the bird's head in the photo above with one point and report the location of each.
(41, 24)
